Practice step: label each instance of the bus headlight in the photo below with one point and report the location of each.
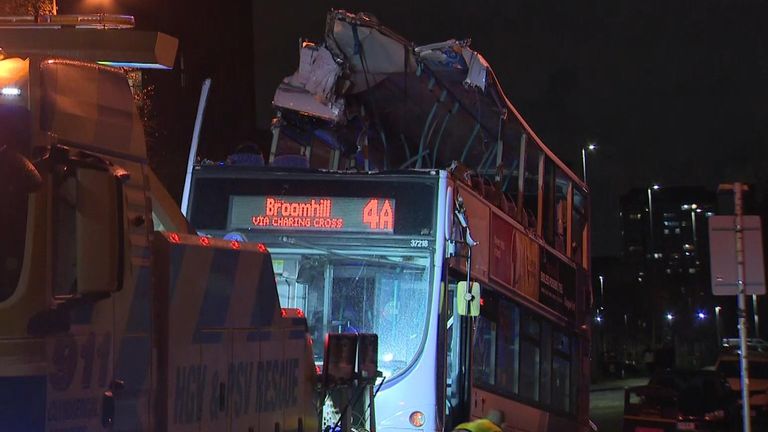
(417, 419)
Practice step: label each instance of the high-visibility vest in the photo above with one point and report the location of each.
(479, 425)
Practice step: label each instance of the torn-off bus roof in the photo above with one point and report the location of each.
(415, 106)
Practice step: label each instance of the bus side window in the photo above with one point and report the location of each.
(531, 185)
(484, 361)
(562, 186)
(555, 206)
(530, 357)
(578, 227)
(545, 387)
(548, 202)
(561, 372)
(507, 353)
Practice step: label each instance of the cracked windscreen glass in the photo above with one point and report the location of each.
(385, 292)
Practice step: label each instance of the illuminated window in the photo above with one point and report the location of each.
(691, 270)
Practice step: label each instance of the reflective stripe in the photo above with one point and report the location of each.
(218, 290)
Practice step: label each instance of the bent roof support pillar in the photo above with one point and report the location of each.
(428, 123)
(276, 123)
(469, 142)
(447, 117)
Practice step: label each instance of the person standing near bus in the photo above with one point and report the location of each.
(490, 423)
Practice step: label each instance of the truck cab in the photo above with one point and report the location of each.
(114, 314)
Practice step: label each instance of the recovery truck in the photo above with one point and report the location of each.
(114, 314)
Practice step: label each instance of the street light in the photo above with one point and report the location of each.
(591, 146)
(717, 325)
(670, 317)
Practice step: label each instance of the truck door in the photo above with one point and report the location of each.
(134, 369)
(79, 325)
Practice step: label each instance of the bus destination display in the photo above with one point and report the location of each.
(312, 213)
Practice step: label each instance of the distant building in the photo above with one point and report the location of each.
(665, 254)
(667, 227)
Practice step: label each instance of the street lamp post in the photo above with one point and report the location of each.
(651, 263)
(754, 315)
(654, 187)
(602, 290)
(694, 210)
(591, 146)
(717, 326)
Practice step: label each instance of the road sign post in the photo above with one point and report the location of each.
(727, 241)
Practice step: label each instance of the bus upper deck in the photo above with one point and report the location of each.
(387, 104)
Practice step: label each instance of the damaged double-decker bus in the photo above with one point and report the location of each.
(404, 195)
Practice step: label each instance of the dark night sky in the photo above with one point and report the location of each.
(673, 91)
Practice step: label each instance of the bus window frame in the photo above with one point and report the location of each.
(526, 313)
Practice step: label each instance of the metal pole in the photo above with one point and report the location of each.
(651, 270)
(193, 148)
(650, 222)
(754, 315)
(717, 327)
(693, 229)
(602, 291)
(743, 354)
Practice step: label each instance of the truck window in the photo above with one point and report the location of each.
(13, 228)
(14, 138)
(64, 235)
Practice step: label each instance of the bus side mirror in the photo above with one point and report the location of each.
(468, 299)
(99, 237)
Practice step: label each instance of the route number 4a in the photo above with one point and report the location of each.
(379, 217)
